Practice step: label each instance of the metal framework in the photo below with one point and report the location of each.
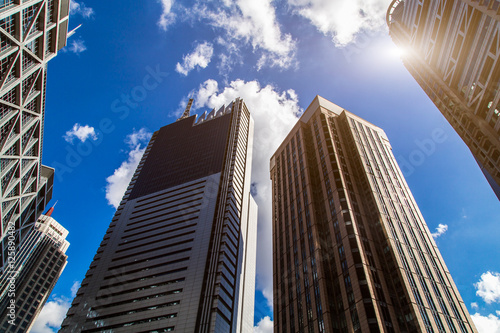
(31, 34)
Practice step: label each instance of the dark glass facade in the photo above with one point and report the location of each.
(183, 152)
(179, 254)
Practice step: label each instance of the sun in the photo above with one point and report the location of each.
(400, 52)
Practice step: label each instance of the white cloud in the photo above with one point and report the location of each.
(167, 17)
(440, 230)
(80, 8)
(118, 182)
(474, 305)
(265, 325)
(74, 288)
(51, 316)
(82, 133)
(488, 288)
(77, 46)
(53, 313)
(274, 113)
(241, 23)
(341, 19)
(489, 324)
(230, 58)
(201, 56)
(138, 137)
(251, 22)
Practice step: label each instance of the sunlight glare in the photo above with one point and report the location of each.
(399, 52)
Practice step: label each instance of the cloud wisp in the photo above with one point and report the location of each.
(167, 17)
(240, 24)
(342, 20)
(200, 57)
(275, 113)
(79, 8)
(118, 182)
(82, 133)
(252, 22)
(77, 46)
(440, 230)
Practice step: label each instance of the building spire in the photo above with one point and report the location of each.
(186, 113)
(51, 210)
(72, 32)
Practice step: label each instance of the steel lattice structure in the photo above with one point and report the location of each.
(31, 34)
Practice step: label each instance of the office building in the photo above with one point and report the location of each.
(452, 49)
(351, 251)
(26, 285)
(31, 34)
(179, 254)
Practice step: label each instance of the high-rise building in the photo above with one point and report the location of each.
(31, 34)
(179, 254)
(27, 283)
(452, 49)
(351, 251)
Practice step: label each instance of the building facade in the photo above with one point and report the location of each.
(351, 251)
(26, 285)
(179, 254)
(31, 34)
(452, 49)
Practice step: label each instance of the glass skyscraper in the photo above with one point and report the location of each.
(351, 250)
(179, 254)
(26, 285)
(452, 49)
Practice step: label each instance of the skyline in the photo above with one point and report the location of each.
(123, 41)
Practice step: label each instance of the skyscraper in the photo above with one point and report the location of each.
(26, 286)
(31, 34)
(351, 251)
(179, 254)
(452, 49)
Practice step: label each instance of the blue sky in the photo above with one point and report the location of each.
(133, 65)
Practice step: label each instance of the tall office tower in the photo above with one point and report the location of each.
(31, 34)
(452, 49)
(28, 283)
(351, 250)
(179, 254)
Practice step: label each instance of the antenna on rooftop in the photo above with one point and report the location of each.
(72, 32)
(187, 113)
(51, 210)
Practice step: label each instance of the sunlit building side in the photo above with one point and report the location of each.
(40, 262)
(351, 250)
(31, 34)
(452, 49)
